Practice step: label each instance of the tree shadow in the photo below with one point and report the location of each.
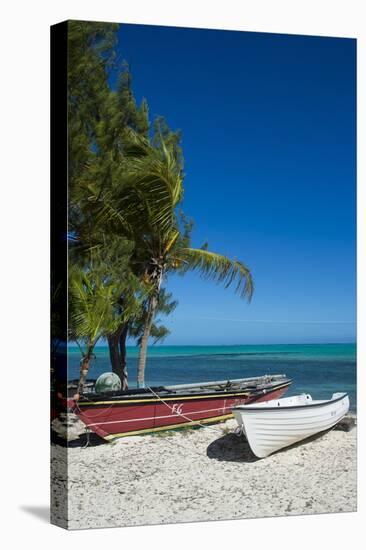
(84, 440)
(40, 512)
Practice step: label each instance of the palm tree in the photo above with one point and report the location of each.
(169, 256)
(143, 207)
(92, 313)
(134, 328)
(103, 262)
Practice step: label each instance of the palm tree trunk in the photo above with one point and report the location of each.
(113, 351)
(122, 354)
(153, 304)
(117, 353)
(84, 369)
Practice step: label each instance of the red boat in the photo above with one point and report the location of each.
(141, 411)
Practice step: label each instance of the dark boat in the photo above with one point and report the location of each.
(140, 411)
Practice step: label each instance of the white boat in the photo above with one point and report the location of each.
(272, 425)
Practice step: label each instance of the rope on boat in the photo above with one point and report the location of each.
(195, 422)
(76, 406)
(239, 431)
(87, 433)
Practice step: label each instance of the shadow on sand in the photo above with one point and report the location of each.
(84, 440)
(231, 448)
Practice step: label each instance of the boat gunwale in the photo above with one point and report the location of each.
(310, 405)
(226, 385)
(105, 399)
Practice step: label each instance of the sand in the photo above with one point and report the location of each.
(203, 474)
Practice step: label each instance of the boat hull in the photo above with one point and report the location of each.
(270, 429)
(119, 418)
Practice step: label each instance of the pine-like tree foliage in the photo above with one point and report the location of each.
(90, 55)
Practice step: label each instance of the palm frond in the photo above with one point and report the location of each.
(147, 188)
(93, 306)
(218, 268)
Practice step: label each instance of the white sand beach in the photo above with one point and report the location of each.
(204, 474)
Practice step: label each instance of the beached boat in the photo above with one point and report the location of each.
(278, 423)
(138, 411)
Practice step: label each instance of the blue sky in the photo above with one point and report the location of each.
(268, 125)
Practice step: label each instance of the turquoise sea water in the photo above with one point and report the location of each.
(318, 369)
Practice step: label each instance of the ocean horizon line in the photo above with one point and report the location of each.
(354, 343)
